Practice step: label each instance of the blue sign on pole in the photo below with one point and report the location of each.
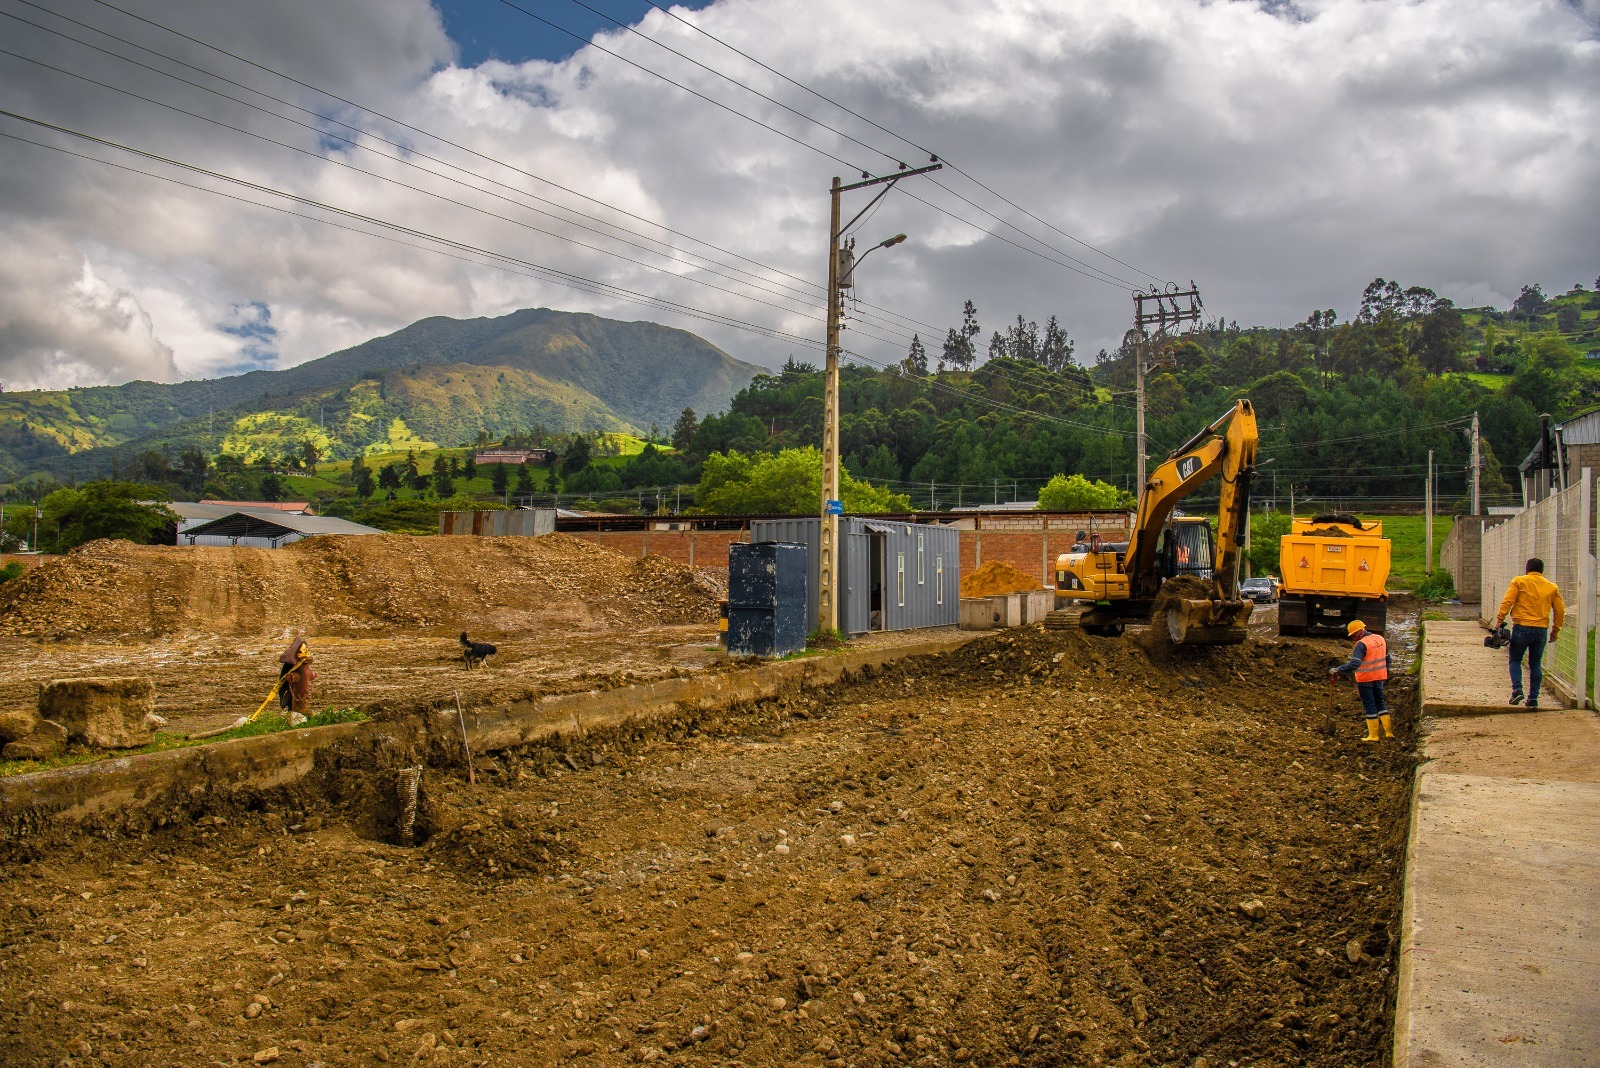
(836, 508)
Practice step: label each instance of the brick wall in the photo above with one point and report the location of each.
(697, 548)
(26, 559)
(1031, 551)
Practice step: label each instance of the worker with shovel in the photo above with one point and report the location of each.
(295, 676)
(1369, 662)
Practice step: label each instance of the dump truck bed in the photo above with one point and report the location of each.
(1334, 559)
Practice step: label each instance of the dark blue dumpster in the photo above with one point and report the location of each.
(767, 599)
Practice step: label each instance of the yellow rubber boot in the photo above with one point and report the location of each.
(1388, 725)
(1372, 730)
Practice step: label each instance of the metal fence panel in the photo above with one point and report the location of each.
(1560, 530)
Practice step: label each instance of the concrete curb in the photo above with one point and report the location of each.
(40, 801)
(1440, 708)
(1404, 974)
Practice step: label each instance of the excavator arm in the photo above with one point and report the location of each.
(1226, 448)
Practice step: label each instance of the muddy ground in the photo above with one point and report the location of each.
(205, 681)
(1040, 849)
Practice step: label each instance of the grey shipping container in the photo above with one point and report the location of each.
(767, 599)
(892, 575)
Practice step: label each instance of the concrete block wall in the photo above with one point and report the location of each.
(1462, 555)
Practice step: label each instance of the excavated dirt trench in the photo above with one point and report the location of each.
(1039, 849)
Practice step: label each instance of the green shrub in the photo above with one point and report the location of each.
(12, 570)
(1438, 586)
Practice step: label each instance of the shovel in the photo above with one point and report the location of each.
(1330, 722)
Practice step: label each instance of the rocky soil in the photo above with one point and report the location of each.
(1040, 849)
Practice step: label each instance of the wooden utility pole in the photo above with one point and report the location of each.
(1138, 400)
(827, 608)
(1168, 309)
(1427, 524)
(1477, 463)
(832, 506)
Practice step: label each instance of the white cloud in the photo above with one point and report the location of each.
(1280, 157)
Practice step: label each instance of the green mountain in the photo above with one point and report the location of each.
(437, 380)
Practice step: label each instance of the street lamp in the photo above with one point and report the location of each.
(841, 268)
(848, 263)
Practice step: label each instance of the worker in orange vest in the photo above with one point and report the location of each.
(1369, 662)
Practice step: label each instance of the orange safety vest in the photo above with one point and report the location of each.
(1374, 667)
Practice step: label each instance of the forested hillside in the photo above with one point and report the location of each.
(1348, 412)
(1346, 409)
(436, 381)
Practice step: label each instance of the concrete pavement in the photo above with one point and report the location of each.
(1461, 676)
(1500, 956)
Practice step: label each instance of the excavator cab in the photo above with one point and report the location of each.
(1186, 548)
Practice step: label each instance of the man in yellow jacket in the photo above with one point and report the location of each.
(1530, 601)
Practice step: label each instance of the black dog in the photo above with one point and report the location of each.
(475, 652)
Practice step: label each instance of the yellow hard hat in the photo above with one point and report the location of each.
(1355, 625)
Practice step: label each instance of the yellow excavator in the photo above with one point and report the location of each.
(1122, 580)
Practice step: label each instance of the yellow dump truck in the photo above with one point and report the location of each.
(1334, 569)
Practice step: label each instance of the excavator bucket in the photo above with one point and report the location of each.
(1209, 622)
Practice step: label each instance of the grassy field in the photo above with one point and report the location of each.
(1406, 537)
(1489, 381)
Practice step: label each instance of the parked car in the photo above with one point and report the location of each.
(1262, 590)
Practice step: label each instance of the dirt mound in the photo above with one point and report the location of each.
(995, 579)
(1182, 588)
(351, 585)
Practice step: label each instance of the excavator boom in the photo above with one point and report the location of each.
(1128, 583)
(1227, 449)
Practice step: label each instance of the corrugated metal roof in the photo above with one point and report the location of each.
(300, 524)
(189, 510)
(1582, 429)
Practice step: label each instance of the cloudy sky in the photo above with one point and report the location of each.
(354, 166)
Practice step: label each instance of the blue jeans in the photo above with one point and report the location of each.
(1372, 702)
(1530, 640)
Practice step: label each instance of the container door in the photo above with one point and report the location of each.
(855, 607)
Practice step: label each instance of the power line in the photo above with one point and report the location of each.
(893, 327)
(477, 154)
(549, 273)
(561, 277)
(1084, 270)
(414, 188)
(419, 130)
(793, 293)
(904, 140)
(693, 92)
